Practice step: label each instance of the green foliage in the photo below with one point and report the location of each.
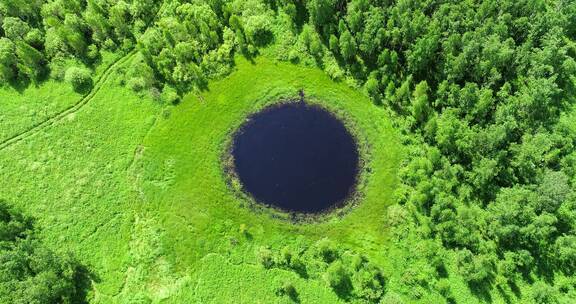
(79, 78)
(321, 12)
(543, 293)
(337, 277)
(140, 76)
(347, 45)
(8, 59)
(29, 272)
(14, 226)
(475, 269)
(420, 103)
(265, 257)
(170, 95)
(59, 30)
(477, 88)
(288, 289)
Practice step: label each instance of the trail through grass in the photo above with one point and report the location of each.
(51, 118)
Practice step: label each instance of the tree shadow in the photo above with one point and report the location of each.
(544, 270)
(301, 15)
(504, 295)
(289, 290)
(441, 270)
(85, 87)
(263, 39)
(515, 289)
(481, 290)
(344, 289)
(300, 269)
(294, 296)
(83, 279)
(19, 84)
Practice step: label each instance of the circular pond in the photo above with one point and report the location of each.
(296, 157)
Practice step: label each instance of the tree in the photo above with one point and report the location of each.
(565, 247)
(475, 269)
(543, 293)
(14, 28)
(368, 281)
(30, 61)
(514, 264)
(321, 11)
(337, 277)
(119, 18)
(79, 78)
(31, 273)
(347, 45)
(420, 104)
(334, 44)
(371, 86)
(8, 59)
(258, 30)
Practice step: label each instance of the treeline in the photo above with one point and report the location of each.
(193, 41)
(61, 38)
(183, 43)
(32, 273)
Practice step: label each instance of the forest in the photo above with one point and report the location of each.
(481, 93)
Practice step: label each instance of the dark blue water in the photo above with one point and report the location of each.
(296, 157)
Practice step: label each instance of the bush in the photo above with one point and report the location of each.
(392, 298)
(443, 287)
(79, 78)
(336, 276)
(327, 250)
(259, 30)
(368, 282)
(137, 84)
(294, 56)
(289, 290)
(170, 95)
(265, 257)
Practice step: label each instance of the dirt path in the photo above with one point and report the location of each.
(72, 109)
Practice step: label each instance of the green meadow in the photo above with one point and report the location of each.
(139, 192)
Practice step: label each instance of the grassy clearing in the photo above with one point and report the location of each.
(23, 108)
(137, 191)
(183, 183)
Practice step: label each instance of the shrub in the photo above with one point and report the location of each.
(289, 290)
(443, 287)
(336, 275)
(136, 84)
(79, 78)
(327, 250)
(170, 95)
(265, 257)
(369, 283)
